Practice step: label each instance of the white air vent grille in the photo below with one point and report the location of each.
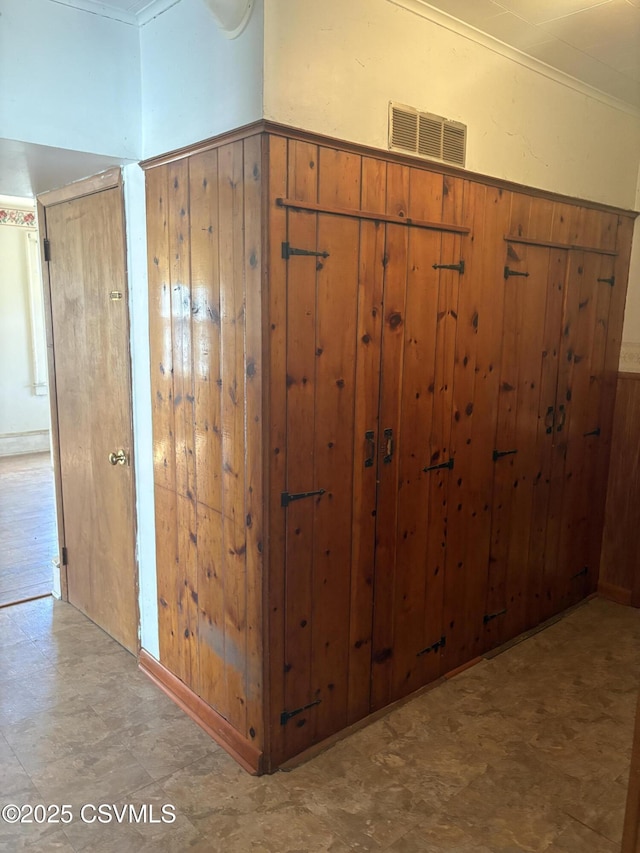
(427, 135)
(404, 131)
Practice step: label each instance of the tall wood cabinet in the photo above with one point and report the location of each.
(383, 396)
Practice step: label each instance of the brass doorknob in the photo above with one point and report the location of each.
(119, 458)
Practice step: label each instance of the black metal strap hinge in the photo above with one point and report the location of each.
(610, 281)
(459, 267)
(448, 465)
(286, 498)
(65, 558)
(595, 431)
(582, 573)
(47, 249)
(498, 454)
(288, 251)
(285, 716)
(509, 272)
(489, 617)
(440, 644)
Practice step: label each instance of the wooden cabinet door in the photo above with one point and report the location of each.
(534, 284)
(576, 516)
(332, 369)
(414, 458)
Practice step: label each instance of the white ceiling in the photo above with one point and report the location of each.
(595, 41)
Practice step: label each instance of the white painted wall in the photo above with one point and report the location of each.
(70, 79)
(134, 195)
(24, 415)
(333, 66)
(630, 355)
(195, 82)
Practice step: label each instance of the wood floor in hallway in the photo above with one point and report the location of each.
(28, 533)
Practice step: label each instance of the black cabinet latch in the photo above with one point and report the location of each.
(595, 431)
(610, 281)
(459, 267)
(489, 617)
(285, 716)
(498, 454)
(448, 465)
(286, 498)
(440, 644)
(288, 251)
(509, 272)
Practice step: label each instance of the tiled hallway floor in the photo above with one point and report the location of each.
(527, 751)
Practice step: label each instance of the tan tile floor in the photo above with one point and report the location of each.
(527, 751)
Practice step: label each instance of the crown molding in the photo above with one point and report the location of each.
(153, 9)
(95, 7)
(442, 19)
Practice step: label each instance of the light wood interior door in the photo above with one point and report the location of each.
(90, 330)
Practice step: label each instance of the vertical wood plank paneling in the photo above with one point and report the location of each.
(205, 286)
(487, 213)
(211, 608)
(167, 557)
(397, 189)
(417, 598)
(300, 378)
(336, 300)
(186, 595)
(462, 602)
(425, 195)
(520, 215)
(368, 354)
(373, 185)
(505, 439)
(394, 309)
(620, 569)
(183, 585)
(339, 178)
(581, 449)
(179, 253)
(275, 420)
(561, 222)
(254, 447)
(544, 455)
(531, 295)
(160, 329)
(609, 383)
(232, 329)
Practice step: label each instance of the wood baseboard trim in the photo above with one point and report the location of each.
(614, 593)
(245, 753)
(453, 672)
